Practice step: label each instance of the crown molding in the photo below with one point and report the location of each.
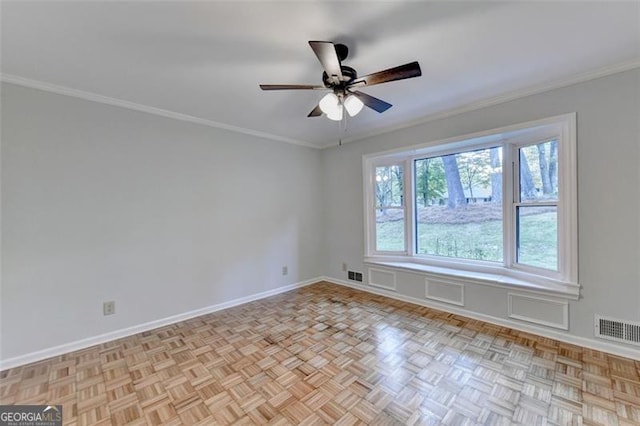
(511, 96)
(90, 96)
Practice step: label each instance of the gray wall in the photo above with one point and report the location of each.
(164, 217)
(608, 116)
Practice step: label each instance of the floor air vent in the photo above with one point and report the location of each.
(618, 330)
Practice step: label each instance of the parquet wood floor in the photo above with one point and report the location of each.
(326, 354)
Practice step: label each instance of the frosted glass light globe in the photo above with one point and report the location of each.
(330, 104)
(353, 105)
(336, 115)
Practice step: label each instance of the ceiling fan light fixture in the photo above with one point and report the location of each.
(353, 105)
(329, 104)
(336, 115)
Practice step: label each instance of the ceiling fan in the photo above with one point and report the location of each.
(343, 81)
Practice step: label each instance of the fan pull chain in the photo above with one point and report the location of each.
(342, 127)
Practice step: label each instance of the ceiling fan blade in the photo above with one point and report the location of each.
(374, 103)
(409, 70)
(328, 57)
(316, 112)
(290, 87)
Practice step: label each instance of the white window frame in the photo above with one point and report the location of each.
(406, 211)
(563, 281)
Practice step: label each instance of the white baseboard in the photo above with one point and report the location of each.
(118, 334)
(614, 349)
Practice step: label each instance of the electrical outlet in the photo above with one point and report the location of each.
(344, 267)
(352, 275)
(109, 308)
(285, 270)
(358, 276)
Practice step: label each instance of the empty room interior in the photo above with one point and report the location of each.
(320, 212)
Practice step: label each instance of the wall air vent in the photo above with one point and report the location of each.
(617, 330)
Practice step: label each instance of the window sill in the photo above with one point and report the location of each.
(549, 287)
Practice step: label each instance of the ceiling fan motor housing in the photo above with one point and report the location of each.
(348, 75)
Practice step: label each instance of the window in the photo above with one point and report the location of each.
(390, 231)
(536, 205)
(458, 206)
(501, 202)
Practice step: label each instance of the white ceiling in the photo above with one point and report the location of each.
(206, 59)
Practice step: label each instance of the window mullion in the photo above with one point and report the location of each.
(509, 183)
(372, 215)
(536, 204)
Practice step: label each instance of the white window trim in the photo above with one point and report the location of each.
(564, 281)
(372, 200)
